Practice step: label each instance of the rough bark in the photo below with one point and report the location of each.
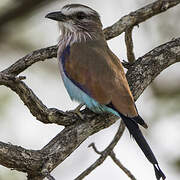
(139, 16)
(140, 74)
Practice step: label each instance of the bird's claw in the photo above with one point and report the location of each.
(77, 111)
(126, 64)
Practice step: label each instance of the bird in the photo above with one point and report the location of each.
(93, 75)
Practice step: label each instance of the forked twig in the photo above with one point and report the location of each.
(116, 161)
(104, 153)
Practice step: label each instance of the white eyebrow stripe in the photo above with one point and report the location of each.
(70, 11)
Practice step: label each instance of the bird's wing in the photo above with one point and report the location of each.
(99, 73)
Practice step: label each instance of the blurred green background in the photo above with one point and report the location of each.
(23, 29)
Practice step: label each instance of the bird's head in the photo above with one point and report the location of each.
(77, 18)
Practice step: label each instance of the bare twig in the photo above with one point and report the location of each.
(150, 65)
(134, 18)
(104, 153)
(138, 16)
(52, 115)
(129, 45)
(121, 166)
(111, 153)
(167, 53)
(139, 76)
(122, 25)
(34, 104)
(26, 61)
(95, 149)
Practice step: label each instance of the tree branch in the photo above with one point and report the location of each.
(120, 26)
(121, 166)
(116, 29)
(104, 154)
(146, 68)
(129, 45)
(34, 104)
(138, 16)
(26, 61)
(52, 115)
(139, 76)
(19, 158)
(38, 164)
(108, 152)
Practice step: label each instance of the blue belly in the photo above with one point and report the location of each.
(78, 95)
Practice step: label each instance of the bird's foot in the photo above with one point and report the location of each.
(126, 64)
(77, 111)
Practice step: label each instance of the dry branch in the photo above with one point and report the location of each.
(26, 61)
(104, 154)
(140, 74)
(121, 166)
(138, 16)
(129, 46)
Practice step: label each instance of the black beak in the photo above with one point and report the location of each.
(57, 16)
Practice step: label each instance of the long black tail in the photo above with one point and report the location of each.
(131, 124)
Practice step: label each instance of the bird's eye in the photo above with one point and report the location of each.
(81, 15)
